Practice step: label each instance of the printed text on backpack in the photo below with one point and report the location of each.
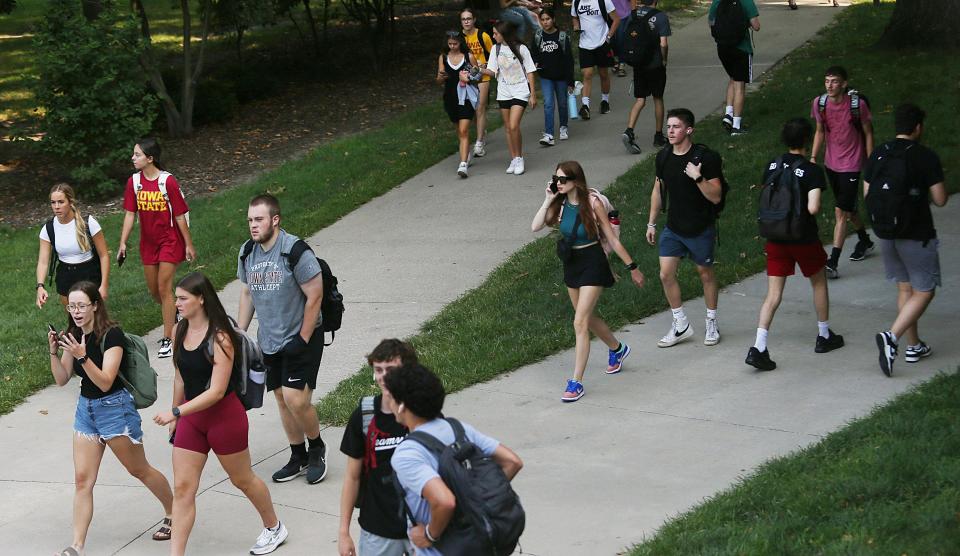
(782, 204)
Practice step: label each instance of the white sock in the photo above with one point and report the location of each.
(678, 314)
(586, 101)
(761, 343)
(736, 122)
(823, 328)
(605, 96)
(892, 336)
(914, 347)
(712, 314)
(729, 111)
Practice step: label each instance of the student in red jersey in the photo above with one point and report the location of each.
(154, 195)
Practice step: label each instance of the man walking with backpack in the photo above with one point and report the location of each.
(646, 50)
(595, 22)
(900, 180)
(789, 203)
(369, 441)
(845, 126)
(730, 24)
(286, 296)
(690, 187)
(441, 495)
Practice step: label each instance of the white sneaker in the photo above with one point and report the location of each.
(712, 336)
(462, 170)
(564, 133)
(547, 140)
(675, 336)
(478, 150)
(518, 169)
(512, 167)
(268, 541)
(166, 348)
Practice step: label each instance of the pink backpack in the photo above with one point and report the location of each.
(612, 214)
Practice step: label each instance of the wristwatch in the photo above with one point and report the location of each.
(699, 178)
(176, 412)
(82, 360)
(39, 285)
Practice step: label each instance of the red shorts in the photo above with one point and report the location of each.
(781, 258)
(169, 249)
(222, 427)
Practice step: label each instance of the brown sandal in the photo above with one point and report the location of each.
(164, 532)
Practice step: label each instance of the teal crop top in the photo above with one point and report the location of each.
(566, 224)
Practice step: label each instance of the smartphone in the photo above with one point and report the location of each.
(120, 258)
(553, 187)
(52, 328)
(173, 436)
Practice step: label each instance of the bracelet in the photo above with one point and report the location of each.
(654, 226)
(39, 285)
(426, 531)
(632, 266)
(53, 353)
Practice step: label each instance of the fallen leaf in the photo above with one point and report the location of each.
(43, 412)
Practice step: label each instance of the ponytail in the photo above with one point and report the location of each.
(83, 240)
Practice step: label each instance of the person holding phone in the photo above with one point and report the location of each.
(460, 94)
(76, 242)
(582, 219)
(106, 416)
(207, 414)
(479, 44)
(154, 195)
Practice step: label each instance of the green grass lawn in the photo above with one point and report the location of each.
(522, 312)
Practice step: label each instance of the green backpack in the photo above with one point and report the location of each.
(138, 377)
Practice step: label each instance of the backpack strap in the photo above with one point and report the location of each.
(538, 38)
(162, 186)
(297, 250)
(244, 253)
(137, 184)
(366, 413)
(51, 234)
(483, 45)
(460, 435)
(563, 40)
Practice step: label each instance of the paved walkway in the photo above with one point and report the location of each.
(599, 474)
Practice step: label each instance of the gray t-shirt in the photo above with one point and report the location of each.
(660, 25)
(415, 466)
(277, 297)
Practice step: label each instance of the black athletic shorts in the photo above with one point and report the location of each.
(601, 57)
(737, 63)
(506, 104)
(70, 274)
(846, 189)
(296, 365)
(649, 82)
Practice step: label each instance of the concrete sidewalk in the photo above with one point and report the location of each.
(697, 417)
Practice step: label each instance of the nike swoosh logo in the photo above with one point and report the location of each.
(681, 332)
(294, 379)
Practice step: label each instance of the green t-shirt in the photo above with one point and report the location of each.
(749, 9)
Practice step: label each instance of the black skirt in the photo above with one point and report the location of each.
(588, 267)
(70, 274)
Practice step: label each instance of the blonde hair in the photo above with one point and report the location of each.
(82, 239)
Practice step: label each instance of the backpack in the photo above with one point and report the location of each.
(162, 186)
(248, 366)
(538, 40)
(331, 306)
(856, 99)
(782, 206)
(136, 374)
(892, 201)
(483, 45)
(731, 23)
(54, 258)
(640, 42)
(603, 10)
(488, 518)
(612, 214)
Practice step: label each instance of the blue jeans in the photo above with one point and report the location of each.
(554, 92)
(520, 17)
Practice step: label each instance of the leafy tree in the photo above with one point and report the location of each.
(924, 23)
(376, 19)
(91, 88)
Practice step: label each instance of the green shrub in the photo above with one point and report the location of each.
(92, 90)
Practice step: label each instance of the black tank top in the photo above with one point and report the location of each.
(196, 369)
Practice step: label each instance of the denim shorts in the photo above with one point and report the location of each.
(102, 419)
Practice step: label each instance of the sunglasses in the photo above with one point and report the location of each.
(561, 179)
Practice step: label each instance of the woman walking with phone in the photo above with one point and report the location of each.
(208, 415)
(582, 220)
(106, 416)
(459, 93)
(76, 242)
(479, 44)
(154, 195)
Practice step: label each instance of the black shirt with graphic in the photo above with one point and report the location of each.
(811, 177)
(379, 504)
(554, 59)
(689, 213)
(114, 338)
(925, 170)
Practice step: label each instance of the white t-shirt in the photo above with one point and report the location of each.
(594, 28)
(67, 248)
(511, 75)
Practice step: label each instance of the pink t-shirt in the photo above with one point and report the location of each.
(846, 151)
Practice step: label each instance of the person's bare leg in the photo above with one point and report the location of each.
(290, 425)
(730, 93)
(914, 303)
(150, 273)
(463, 136)
(187, 468)
(586, 302)
(516, 114)
(484, 87)
(739, 90)
(668, 278)
(300, 406)
(587, 82)
(134, 460)
(505, 117)
(775, 286)
(635, 112)
(242, 476)
(604, 80)
(87, 455)
(821, 295)
(711, 290)
(165, 288)
(658, 113)
(840, 228)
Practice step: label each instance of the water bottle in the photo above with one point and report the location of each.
(572, 101)
(614, 217)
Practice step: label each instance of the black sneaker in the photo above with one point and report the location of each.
(604, 107)
(293, 469)
(737, 131)
(316, 464)
(585, 112)
(727, 123)
(824, 345)
(831, 270)
(888, 352)
(760, 359)
(630, 142)
(915, 353)
(861, 250)
(659, 140)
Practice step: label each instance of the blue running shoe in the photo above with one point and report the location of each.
(615, 362)
(573, 392)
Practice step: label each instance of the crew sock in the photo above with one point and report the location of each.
(315, 442)
(893, 337)
(737, 120)
(299, 450)
(761, 343)
(586, 101)
(823, 328)
(605, 96)
(680, 318)
(834, 256)
(712, 314)
(729, 110)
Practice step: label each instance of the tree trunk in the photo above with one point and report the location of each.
(313, 26)
(91, 9)
(149, 64)
(923, 23)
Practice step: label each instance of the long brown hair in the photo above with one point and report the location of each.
(573, 170)
(82, 240)
(101, 319)
(220, 326)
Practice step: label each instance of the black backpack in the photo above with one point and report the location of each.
(54, 258)
(892, 201)
(331, 306)
(640, 42)
(489, 518)
(731, 23)
(782, 206)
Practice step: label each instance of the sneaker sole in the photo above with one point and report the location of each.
(619, 367)
(291, 477)
(758, 367)
(885, 363)
(827, 349)
(462, 174)
(629, 145)
(276, 546)
(688, 333)
(164, 355)
(917, 358)
(708, 342)
(832, 274)
(863, 255)
(569, 400)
